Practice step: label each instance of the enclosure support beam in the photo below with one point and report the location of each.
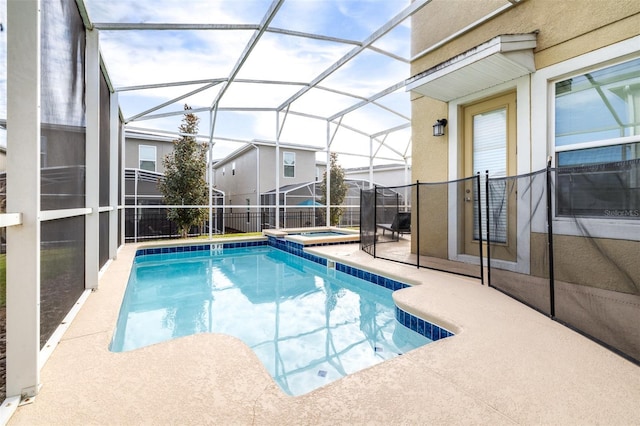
(122, 201)
(258, 198)
(92, 182)
(114, 174)
(213, 114)
(328, 175)
(277, 166)
(370, 163)
(23, 195)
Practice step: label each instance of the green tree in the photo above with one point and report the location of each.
(184, 181)
(338, 189)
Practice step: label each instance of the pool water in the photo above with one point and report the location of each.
(309, 325)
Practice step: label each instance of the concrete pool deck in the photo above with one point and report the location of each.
(507, 364)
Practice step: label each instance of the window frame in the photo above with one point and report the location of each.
(155, 157)
(543, 135)
(292, 166)
(585, 146)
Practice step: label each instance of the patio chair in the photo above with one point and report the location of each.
(401, 225)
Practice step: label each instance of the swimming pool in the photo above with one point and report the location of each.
(308, 324)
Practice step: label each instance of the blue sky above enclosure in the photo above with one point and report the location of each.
(309, 63)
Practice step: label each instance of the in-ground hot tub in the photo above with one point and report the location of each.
(316, 236)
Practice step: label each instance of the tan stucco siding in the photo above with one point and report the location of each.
(434, 220)
(566, 28)
(598, 262)
(599, 37)
(429, 152)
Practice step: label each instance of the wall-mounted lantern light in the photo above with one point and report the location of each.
(438, 128)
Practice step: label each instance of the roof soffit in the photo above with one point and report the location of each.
(501, 59)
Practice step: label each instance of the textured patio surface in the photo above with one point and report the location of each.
(507, 364)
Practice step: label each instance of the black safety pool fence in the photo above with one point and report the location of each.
(564, 241)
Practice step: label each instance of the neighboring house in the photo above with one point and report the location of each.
(146, 151)
(383, 174)
(301, 203)
(251, 170)
(247, 173)
(535, 80)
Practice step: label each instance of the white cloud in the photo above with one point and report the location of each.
(145, 57)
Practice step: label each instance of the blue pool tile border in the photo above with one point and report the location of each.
(198, 247)
(296, 249)
(385, 282)
(420, 326)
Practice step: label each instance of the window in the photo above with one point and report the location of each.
(289, 163)
(147, 157)
(597, 143)
(233, 168)
(223, 171)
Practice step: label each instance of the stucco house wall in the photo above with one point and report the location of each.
(132, 144)
(255, 172)
(572, 38)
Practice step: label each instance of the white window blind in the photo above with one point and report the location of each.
(147, 157)
(490, 143)
(490, 153)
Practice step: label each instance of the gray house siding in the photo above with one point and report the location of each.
(132, 158)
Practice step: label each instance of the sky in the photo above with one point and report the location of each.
(142, 57)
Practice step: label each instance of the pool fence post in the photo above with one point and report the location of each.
(486, 190)
(480, 229)
(552, 303)
(375, 219)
